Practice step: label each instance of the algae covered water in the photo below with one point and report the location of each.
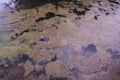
(60, 39)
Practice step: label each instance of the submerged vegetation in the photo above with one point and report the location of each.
(44, 43)
(13, 51)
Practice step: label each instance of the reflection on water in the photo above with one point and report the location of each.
(3, 17)
(3, 4)
(4, 34)
(20, 4)
(27, 4)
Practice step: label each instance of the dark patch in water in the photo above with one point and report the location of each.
(44, 39)
(79, 12)
(82, 6)
(25, 31)
(102, 9)
(33, 44)
(64, 78)
(89, 50)
(112, 51)
(43, 62)
(99, 3)
(116, 56)
(33, 62)
(107, 13)
(95, 17)
(17, 72)
(54, 58)
(22, 59)
(31, 28)
(49, 15)
(54, 26)
(36, 73)
(19, 34)
(28, 4)
(114, 2)
(48, 48)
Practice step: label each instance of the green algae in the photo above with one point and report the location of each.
(14, 51)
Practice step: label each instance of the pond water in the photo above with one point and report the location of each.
(70, 39)
(3, 4)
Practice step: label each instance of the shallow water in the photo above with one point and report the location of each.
(2, 4)
(66, 42)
